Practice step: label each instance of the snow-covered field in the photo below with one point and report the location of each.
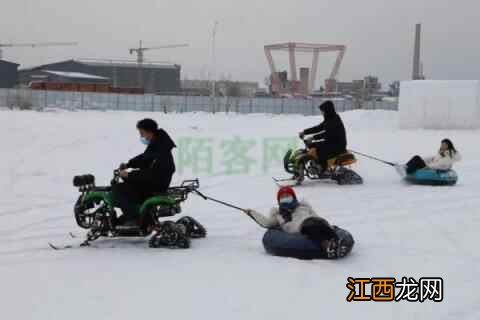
(400, 230)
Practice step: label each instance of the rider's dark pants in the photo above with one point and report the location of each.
(127, 199)
(326, 151)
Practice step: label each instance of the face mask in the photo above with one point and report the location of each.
(287, 203)
(145, 141)
(286, 200)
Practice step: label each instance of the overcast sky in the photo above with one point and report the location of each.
(378, 34)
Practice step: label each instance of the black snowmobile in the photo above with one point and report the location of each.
(95, 211)
(303, 163)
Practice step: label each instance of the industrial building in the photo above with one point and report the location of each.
(223, 88)
(153, 78)
(359, 88)
(8, 74)
(65, 76)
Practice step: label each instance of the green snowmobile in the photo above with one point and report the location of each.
(95, 211)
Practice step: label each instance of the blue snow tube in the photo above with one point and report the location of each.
(280, 243)
(433, 177)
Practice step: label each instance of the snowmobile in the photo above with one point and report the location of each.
(303, 163)
(95, 211)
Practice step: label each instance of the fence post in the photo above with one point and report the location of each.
(8, 100)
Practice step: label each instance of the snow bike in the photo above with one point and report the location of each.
(303, 163)
(95, 211)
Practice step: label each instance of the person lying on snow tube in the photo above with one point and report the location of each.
(329, 138)
(298, 218)
(445, 158)
(155, 168)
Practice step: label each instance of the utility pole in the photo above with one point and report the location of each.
(214, 80)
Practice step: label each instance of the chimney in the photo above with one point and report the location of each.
(416, 53)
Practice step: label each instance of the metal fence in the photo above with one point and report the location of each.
(37, 100)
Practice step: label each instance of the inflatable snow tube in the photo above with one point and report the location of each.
(432, 177)
(280, 243)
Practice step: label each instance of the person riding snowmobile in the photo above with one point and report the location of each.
(298, 217)
(154, 170)
(329, 138)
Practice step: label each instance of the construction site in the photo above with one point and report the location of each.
(141, 76)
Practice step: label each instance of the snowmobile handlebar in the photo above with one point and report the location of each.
(191, 185)
(116, 177)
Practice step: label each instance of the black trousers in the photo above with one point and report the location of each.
(128, 199)
(326, 151)
(317, 229)
(414, 164)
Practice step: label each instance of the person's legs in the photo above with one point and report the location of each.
(414, 164)
(317, 229)
(322, 155)
(320, 231)
(127, 200)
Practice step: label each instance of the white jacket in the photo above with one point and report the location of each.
(275, 219)
(440, 162)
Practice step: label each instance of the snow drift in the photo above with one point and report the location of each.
(432, 104)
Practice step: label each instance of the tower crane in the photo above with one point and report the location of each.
(34, 45)
(140, 50)
(141, 56)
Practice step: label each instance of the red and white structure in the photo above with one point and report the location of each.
(292, 48)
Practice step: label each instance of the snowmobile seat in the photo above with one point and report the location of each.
(344, 159)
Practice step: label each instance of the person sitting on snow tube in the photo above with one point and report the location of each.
(329, 138)
(445, 158)
(296, 217)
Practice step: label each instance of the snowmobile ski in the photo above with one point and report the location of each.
(56, 247)
(285, 182)
(68, 246)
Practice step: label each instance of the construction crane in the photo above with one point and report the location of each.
(141, 57)
(140, 50)
(34, 45)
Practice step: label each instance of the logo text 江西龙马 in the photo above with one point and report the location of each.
(389, 289)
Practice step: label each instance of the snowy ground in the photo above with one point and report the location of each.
(400, 230)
